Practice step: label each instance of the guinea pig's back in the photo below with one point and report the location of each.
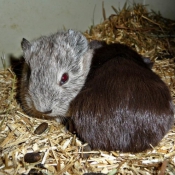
(123, 106)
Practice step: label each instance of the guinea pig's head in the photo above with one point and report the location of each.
(55, 70)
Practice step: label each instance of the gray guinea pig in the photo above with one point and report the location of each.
(54, 72)
(116, 102)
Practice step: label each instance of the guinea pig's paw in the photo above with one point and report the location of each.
(86, 152)
(58, 119)
(69, 125)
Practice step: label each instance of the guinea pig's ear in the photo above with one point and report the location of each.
(148, 62)
(82, 50)
(26, 47)
(25, 44)
(78, 41)
(95, 44)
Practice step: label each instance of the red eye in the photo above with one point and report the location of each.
(64, 78)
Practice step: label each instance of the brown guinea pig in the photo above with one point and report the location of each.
(123, 105)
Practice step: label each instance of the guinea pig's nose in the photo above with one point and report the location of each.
(47, 112)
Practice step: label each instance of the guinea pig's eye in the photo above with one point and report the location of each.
(64, 78)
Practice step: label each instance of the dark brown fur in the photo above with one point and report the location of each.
(124, 105)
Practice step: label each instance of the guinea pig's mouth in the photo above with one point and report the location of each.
(40, 114)
(47, 114)
(43, 115)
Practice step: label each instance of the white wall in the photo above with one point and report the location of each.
(33, 18)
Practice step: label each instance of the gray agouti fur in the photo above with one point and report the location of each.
(116, 102)
(48, 61)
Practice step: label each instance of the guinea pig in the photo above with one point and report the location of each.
(115, 101)
(123, 105)
(54, 72)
